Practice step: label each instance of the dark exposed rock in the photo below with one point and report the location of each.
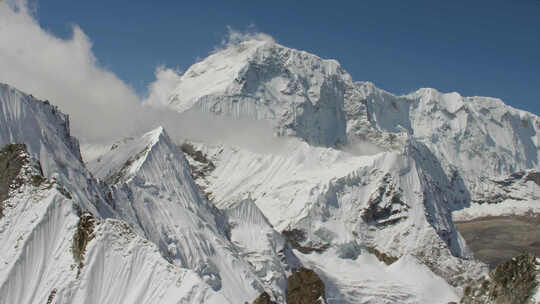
(201, 166)
(513, 282)
(200, 157)
(83, 235)
(51, 296)
(385, 206)
(17, 168)
(305, 287)
(533, 176)
(503, 187)
(381, 256)
(12, 158)
(296, 237)
(496, 198)
(264, 298)
(510, 180)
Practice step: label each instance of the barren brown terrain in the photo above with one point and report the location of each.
(494, 240)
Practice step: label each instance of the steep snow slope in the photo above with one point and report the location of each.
(55, 245)
(299, 92)
(399, 201)
(367, 280)
(480, 136)
(390, 202)
(45, 131)
(148, 184)
(316, 100)
(41, 261)
(311, 186)
(471, 137)
(153, 190)
(367, 175)
(262, 246)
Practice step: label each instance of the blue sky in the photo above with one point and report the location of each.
(489, 48)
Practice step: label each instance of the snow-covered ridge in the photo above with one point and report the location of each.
(514, 194)
(317, 101)
(153, 190)
(40, 227)
(45, 131)
(343, 202)
(22, 116)
(436, 147)
(480, 136)
(40, 263)
(239, 63)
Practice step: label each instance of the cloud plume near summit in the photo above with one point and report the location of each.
(102, 107)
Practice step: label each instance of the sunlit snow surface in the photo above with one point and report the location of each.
(39, 223)
(367, 280)
(350, 148)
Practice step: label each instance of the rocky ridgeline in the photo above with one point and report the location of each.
(513, 282)
(303, 287)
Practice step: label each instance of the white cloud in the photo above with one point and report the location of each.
(193, 125)
(251, 33)
(101, 106)
(159, 90)
(234, 37)
(167, 78)
(65, 72)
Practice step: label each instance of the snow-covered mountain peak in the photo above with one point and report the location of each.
(246, 211)
(299, 93)
(126, 157)
(152, 188)
(233, 69)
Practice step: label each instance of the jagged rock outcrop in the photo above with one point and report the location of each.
(264, 298)
(12, 159)
(305, 287)
(83, 235)
(513, 282)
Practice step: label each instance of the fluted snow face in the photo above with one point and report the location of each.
(300, 93)
(154, 192)
(39, 263)
(45, 131)
(118, 265)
